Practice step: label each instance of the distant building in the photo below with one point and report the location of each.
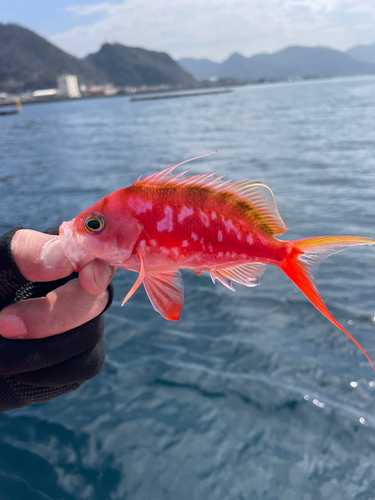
(68, 85)
(44, 93)
(110, 91)
(4, 96)
(96, 90)
(99, 90)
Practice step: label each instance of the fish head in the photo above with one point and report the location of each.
(105, 232)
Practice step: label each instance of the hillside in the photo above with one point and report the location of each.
(29, 62)
(364, 53)
(202, 69)
(253, 68)
(290, 62)
(135, 66)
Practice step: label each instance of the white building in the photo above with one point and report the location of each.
(4, 97)
(68, 85)
(44, 93)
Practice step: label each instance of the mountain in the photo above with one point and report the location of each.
(202, 69)
(253, 68)
(290, 62)
(313, 61)
(29, 62)
(135, 66)
(364, 53)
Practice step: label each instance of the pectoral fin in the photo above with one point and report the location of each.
(166, 293)
(142, 257)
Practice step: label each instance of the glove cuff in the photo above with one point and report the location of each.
(15, 394)
(10, 277)
(9, 399)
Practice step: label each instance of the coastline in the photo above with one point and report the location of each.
(132, 92)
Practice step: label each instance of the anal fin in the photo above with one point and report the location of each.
(166, 292)
(245, 274)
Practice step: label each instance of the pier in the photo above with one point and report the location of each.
(178, 94)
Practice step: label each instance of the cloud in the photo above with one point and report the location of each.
(216, 28)
(87, 10)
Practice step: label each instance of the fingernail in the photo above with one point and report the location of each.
(102, 275)
(54, 256)
(12, 327)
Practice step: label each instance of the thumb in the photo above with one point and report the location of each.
(39, 256)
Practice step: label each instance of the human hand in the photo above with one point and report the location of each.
(40, 258)
(45, 365)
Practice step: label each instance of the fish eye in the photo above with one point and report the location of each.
(95, 223)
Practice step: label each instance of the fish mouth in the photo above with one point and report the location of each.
(74, 245)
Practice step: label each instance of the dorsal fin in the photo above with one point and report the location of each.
(260, 198)
(257, 195)
(165, 175)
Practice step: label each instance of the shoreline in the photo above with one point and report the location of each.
(160, 93)
(217, 87)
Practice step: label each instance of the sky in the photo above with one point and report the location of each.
(212, 29)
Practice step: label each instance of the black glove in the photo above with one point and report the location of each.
(37, 370)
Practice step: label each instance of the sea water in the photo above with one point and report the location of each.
(251, 395)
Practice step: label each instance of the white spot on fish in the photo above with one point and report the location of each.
(220, 254)
(142, 243)
(210, 247)
(202, 243)
(164, 250)
(220, 235)
(154, 243)
(176, 251)
(138, 205)
(249, 239)
(204, 218)
(185, 212)
(166, 224)
(194, 236)
(229, 226)
(185, 243)
(213, 216)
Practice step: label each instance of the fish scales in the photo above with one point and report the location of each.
(217, 226)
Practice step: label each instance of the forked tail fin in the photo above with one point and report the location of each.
(304, 259)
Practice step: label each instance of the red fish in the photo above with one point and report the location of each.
(167, 222)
